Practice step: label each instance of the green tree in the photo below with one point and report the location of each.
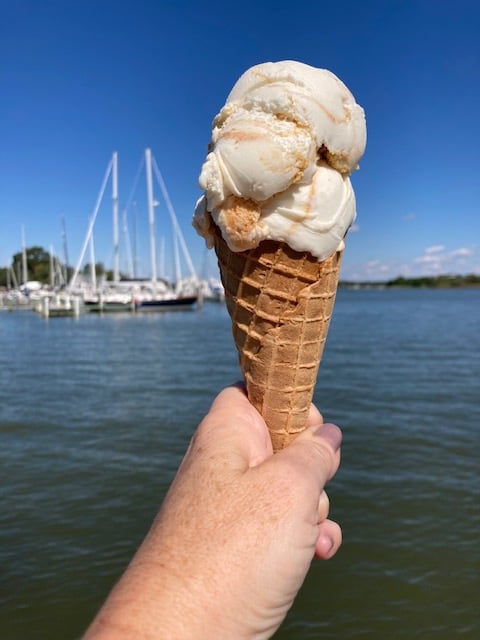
(99, 269)
(3, 277)
(38, 264)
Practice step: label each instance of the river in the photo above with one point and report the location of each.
(96, 411)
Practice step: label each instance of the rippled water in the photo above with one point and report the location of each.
(96, 412)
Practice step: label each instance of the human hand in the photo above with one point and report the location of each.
(235, 536)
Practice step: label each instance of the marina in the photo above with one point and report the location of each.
(73, 291)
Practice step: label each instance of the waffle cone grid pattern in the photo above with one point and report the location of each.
(280, 302)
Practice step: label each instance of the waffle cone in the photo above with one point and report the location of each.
(280, 302)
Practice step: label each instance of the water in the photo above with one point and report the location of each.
(96, 412)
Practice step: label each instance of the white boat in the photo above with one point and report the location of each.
(162, 295)
(154, 294)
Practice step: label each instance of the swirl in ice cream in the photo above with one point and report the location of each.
(278, 166)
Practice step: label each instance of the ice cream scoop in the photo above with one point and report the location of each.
(277, 204)
(291, 133)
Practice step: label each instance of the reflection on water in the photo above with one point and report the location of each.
(96, 412)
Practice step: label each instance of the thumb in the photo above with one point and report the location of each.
(233, 429)
(317, 450)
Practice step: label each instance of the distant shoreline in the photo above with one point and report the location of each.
(470, 281)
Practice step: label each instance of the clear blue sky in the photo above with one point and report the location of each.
(79, 80)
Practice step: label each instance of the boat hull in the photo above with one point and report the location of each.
(167, 304)
(109, 307)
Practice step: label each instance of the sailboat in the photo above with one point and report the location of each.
(135, 294)
(159, 294)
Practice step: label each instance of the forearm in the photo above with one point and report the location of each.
(155, 599)
(180, 585)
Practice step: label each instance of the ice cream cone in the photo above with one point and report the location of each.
(280, 302)
(277, 200)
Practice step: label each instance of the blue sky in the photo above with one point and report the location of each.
(79, 80)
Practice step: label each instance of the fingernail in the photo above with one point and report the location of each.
(331, 433)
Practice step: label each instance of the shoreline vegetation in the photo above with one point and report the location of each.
(469, 281)
(38, 263)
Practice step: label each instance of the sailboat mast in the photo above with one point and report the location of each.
(65, 248)
(161, 260)
(93, 268)
(178, 273)
(24, 257)
(135, 243)
(116, 264)
(151, 214)
(14, 277)
(52, 273)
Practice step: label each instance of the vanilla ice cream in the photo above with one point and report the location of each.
(281, 153)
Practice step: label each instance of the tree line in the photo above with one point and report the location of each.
(438, 282)
(39, 266)
(39, 269)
